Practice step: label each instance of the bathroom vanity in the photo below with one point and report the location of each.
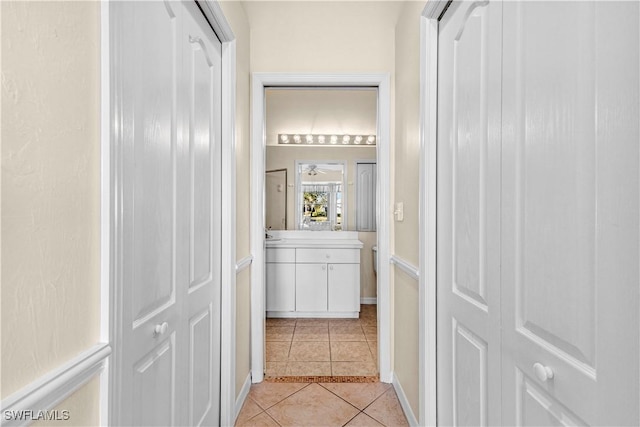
(312, 274)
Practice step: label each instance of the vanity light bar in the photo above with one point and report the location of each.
(322, 139)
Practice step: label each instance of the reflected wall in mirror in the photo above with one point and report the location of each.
(276, 199)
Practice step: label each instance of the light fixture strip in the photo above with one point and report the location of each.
(326, 139)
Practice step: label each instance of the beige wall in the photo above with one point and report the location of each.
(50, 191)
(405, 332)
(311, 36)
(82, 408)
(406, 178)
(235, 14)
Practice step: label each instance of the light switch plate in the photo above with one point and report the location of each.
(399, 212)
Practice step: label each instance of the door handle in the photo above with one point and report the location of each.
(543, 373)
(160, 328)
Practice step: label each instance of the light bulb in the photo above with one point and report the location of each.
(334, 139)
(320, 139)
(309, 139)
(371, 139)
(358, 139)
(346, 139)
(296, 139)
(284, 139)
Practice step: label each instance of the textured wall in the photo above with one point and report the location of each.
(50, 186)
(406, 178)
(82, 407)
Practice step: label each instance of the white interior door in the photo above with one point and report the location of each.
(538, 165)
(201, 65)
(570, 213)
(468, 215)
(167, 86)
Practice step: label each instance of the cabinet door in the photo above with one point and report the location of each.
(344, 287)
(281, 287)
(311, 287)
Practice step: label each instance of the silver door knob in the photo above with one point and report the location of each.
(543, 373)
(161, 328)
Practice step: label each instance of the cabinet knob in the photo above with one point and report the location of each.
(543, 373)
(331, 267)
(161, 328)
(328, 256)
(324, 267)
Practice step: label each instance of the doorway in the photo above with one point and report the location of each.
(260, 238)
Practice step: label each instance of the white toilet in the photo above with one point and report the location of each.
(375, 259)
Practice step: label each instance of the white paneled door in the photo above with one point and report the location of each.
(538, 214)
(468, 218)
(167, 86)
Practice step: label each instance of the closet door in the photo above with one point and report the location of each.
(468, 214)
(570, 213)
(200, 195)
(166, 82)
(147, 63)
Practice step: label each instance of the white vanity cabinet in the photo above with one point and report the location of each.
(280, 271)
(313, 278)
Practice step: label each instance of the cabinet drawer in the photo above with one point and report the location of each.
(280, 255)
(335, 256)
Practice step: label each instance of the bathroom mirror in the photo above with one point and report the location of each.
(320, 195)
(321, 119)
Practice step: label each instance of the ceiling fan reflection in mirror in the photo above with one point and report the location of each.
(312, 170)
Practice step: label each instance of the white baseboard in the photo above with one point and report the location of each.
(404, 402)
(368, 300)
(49, 390)
(244, 392)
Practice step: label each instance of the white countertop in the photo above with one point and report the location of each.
(313, 239)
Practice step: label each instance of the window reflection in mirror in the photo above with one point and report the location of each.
(320, 196)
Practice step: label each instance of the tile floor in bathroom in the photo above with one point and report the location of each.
(314, 347)
(322, 347)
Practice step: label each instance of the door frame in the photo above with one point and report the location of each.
(111, 240)
(259, 81)
(429, 19)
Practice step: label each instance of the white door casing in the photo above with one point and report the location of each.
(168, 110)
(568, 220)
(468, 213)
(383, 210)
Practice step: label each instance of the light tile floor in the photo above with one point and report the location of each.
(334, 404)
(338, 347)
